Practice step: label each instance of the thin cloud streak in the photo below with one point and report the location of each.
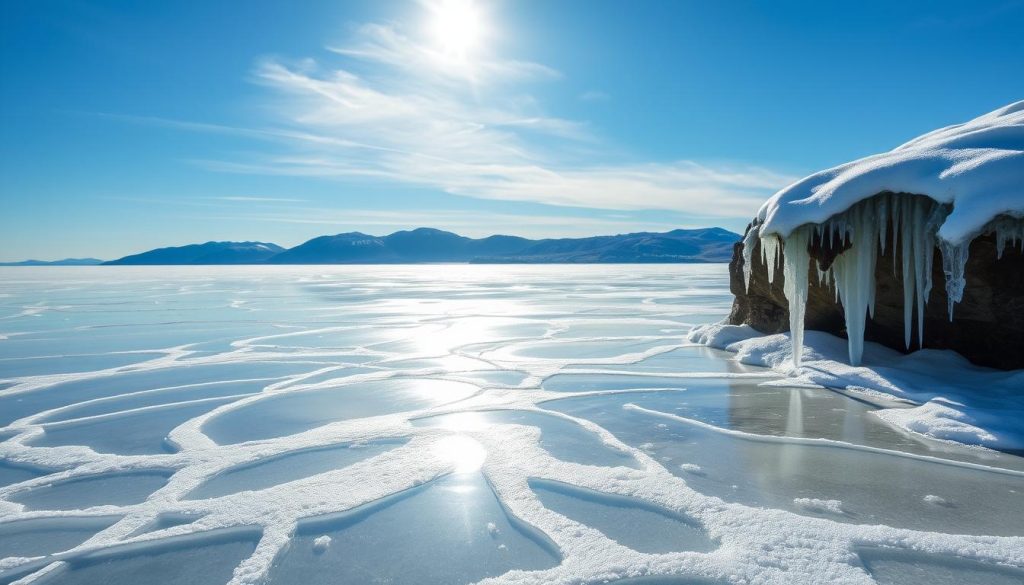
(469, 129)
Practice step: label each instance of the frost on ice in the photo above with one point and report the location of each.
(941, 190)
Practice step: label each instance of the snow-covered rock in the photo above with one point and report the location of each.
(977, 167)
(946, 209)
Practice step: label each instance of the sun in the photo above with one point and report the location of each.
(457, 27)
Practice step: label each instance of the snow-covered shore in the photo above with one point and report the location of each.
(938, 394)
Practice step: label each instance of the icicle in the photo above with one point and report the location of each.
(770, 254)
(897, 205)
(906, 231)
(854, 272)
(954, 260)
(882, 211)
(795, 270)
(924, 217)
(748, 254)
(914, 221)
(1006, 229)
(823, 276)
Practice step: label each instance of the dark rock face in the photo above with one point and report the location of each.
(987, 326)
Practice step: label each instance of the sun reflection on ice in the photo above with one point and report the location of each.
(464, 453)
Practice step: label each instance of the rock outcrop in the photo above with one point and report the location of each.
(987, 325)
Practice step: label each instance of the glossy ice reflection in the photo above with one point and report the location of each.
(288, 467)
(628, 521)
(451, 531)
(871, 487)
(296, 412)
(564, 439)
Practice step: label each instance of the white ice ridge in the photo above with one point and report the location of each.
(941, 189)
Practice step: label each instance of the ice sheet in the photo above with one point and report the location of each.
(470, 389)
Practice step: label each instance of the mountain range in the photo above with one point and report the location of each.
(208, 253)
(425, 245)
(64, 262)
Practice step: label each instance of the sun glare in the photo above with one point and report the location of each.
(457, 27)
(463, 453)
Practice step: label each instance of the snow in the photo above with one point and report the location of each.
(941, 189)
(936, 500)
(819, 506)
(951, 399)
(977, 167)
(942, 419)
(321, 543)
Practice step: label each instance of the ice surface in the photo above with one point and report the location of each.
(209, 561)
(940, 394)
(132, 433)
(409, 415)
(889, 567)
(563, 439)
(44, 536)
(89, 491)
(804, 475)
(471, 537)
(293, 412)
(629, 522)
(17, 473)
(289, 467)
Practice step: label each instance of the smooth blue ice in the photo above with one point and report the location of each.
(450, 531)
(628, 521)
(289, 467)
(92, 490)
(208, 561)
(563, 439)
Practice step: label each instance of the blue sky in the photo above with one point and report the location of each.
(131, 125)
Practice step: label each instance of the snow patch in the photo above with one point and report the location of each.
(939, 418)
(321, 544)
(816, 506)
(937, 501)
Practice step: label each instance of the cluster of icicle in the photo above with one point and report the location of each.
(915, 220)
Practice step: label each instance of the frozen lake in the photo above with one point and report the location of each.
(452, 424)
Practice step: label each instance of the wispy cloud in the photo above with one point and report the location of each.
(386, 106)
